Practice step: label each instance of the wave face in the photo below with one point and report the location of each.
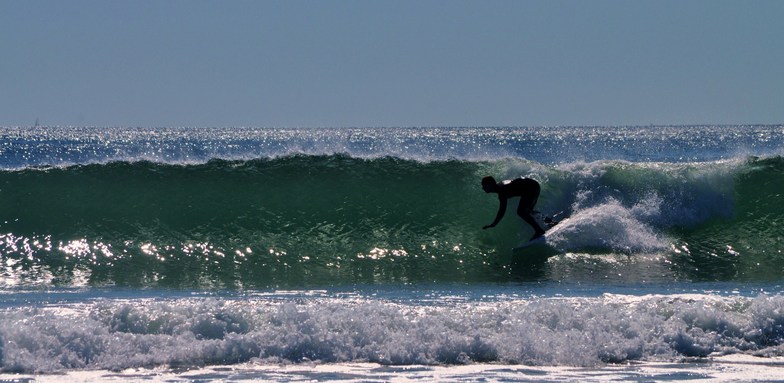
(309, 220)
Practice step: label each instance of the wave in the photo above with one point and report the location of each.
(64, 146)
(307, 220)
(187, 332)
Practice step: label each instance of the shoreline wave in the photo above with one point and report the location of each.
(119, 334)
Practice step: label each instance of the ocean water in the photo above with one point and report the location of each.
(357, 254)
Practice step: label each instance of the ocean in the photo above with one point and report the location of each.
(358, 255)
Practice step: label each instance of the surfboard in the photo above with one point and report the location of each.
(532, 243)
(538, 249)
(534, 250)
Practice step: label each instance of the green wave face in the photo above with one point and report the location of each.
(336, 220)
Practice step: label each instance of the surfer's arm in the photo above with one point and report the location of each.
(500, 214)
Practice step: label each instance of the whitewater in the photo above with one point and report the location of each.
(357, 254)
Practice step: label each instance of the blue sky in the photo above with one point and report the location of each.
(391, 63)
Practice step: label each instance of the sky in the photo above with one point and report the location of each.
(377, 63)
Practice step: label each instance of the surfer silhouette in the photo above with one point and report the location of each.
(525, 188)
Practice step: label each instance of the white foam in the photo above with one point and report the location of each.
(719, 369)
(609, 226)
(145, 333)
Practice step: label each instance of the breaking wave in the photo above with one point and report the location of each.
(115, 334)
(336, 219)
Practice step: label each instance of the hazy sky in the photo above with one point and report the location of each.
(391, 63)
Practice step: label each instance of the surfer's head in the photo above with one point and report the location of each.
(488, 184)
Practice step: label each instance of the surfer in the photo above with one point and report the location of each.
(525, 188)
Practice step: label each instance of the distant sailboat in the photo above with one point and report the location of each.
(37, 125)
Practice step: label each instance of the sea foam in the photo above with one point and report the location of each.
(117, 334)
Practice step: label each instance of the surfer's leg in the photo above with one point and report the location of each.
(538, 232)
(524, 210)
